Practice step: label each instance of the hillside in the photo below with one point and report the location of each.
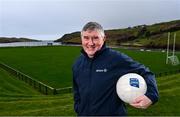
(149, 36)
(10, 86)
(14, 39)
(17, 98)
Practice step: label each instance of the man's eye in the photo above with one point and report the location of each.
(86, 37)
(95, 38)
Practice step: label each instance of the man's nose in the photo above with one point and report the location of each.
(91, 41)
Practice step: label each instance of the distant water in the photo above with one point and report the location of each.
(21, 44)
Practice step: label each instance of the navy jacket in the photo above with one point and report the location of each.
(94, 82)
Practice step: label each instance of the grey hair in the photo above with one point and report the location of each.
(93, 26)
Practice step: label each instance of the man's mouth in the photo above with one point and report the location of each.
(90, 48)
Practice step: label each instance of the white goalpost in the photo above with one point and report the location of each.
(173, 59)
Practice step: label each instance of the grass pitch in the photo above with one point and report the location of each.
(52, 65)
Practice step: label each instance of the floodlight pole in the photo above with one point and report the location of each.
(174, 44)
(168, 47)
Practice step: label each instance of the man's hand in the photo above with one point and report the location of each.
(141, 102)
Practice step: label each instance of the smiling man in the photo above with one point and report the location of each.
(96, 72)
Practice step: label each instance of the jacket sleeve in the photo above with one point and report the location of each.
(135, 67)
(76, 93)
(152, 90)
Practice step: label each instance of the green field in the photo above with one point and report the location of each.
(18, 99)
(155, 60)
(52, 65)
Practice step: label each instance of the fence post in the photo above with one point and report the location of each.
(46, 90)
(34, 84)
(54, 91)
(160, 74)
(39, 87)
(30, 81)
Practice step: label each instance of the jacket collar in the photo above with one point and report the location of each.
(103, 48)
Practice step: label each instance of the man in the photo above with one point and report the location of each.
(96, 72)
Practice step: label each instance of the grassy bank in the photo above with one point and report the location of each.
(17, 98)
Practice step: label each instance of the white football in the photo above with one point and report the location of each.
(130, 86)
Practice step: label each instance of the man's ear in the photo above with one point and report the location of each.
(104, 38)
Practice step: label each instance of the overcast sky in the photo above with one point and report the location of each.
(50, 19)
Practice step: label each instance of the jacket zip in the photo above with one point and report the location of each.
(89, 87)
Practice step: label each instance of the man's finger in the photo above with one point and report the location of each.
(138, 99)
(136, 105)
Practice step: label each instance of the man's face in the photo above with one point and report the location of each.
(92, 41)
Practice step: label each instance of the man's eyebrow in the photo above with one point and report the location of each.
(96, 37)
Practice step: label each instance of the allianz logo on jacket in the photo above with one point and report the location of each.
(101, 70)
